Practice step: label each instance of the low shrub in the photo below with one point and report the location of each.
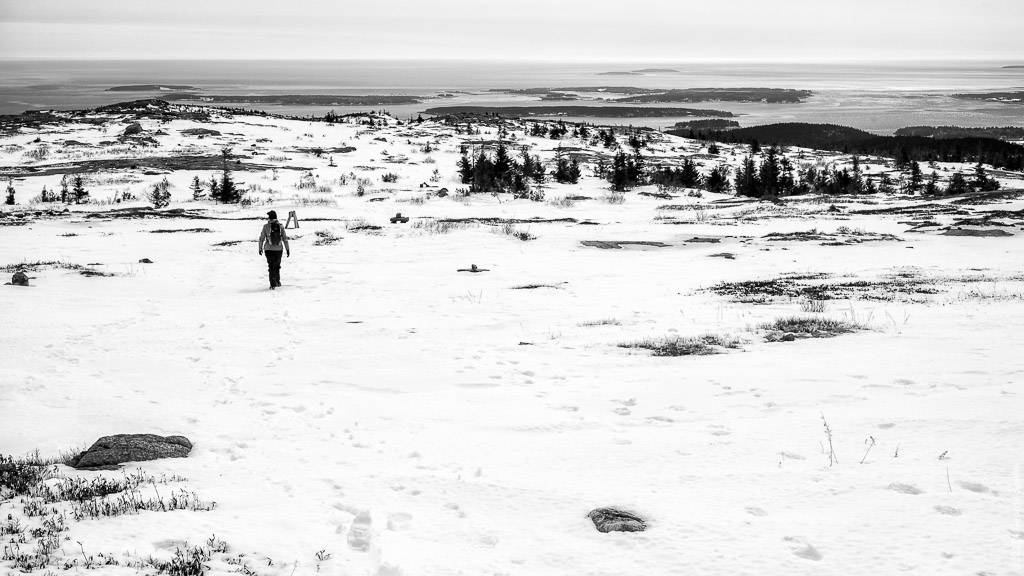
(809, 327)
(692, 346)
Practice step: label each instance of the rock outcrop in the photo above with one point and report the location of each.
(109, 451)
(613, 520)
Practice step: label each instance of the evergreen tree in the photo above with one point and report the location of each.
(608, 138)
(214, 189)
(465, 169)
(747, 182)
(770, 173)
(81, 195)
(619, 175)
(957, 184)
(564, 169)
(885, 185)
(718, 180)
(931, 188)
(65, 195)
(574, 171)
(527, 166)
(160, 196)
(981, 180)
(197, 189)
(483, 173)
(914, 185)
(228, 192)
(713, 148)
(502, 167)
(10, 192)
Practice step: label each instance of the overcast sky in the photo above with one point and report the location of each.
(557, 30)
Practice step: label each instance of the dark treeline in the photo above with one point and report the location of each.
(776, 176)
(903, 148)
(998, 132)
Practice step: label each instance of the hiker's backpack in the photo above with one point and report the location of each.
(275, 233)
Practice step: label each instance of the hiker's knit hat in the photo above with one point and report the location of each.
(272, 214)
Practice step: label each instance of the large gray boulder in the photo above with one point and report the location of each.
(19, 279)
(613, 520)
(109, 451)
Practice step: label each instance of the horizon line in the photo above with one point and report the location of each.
(843, 60)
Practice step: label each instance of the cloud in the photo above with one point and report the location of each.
(522, 29)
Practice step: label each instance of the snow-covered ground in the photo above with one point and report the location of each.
(476, 420)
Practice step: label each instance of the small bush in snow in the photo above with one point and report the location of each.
(679, 346)
(614, 198)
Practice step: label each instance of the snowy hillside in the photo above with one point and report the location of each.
(384, 413)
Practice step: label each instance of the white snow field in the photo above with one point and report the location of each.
(384, 414)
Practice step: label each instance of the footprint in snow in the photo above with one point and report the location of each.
(360, 532)
(719, 430)
(906, 489)
(974, 487)
(399, 521)
(802, 548)
(947, 510)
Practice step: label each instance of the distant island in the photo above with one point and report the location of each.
(1005, 97)
(1014, 66)
(640, 72)
(150, 88)
(302, 99)
(664, 95)
(767, 95)
(712, 124)
(577, 111)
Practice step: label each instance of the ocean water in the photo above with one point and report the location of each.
(879, 97)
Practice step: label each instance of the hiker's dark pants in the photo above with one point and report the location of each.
(274, 266)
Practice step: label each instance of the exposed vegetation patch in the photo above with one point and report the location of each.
(844, 235)
(509, 220)
(989, 197)
(601, 322)
(693, 346)
(995, 233)
(192, 163)
(913, 210)
(34, 532)
(431, 226)
(810, 287)
(689, 207)
(618, 244)
(807, 327)
(174, 230)
(50, 265)
(325, 238)
(535, 286)
(509, 229)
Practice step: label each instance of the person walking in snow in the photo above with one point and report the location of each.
(273, 240)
